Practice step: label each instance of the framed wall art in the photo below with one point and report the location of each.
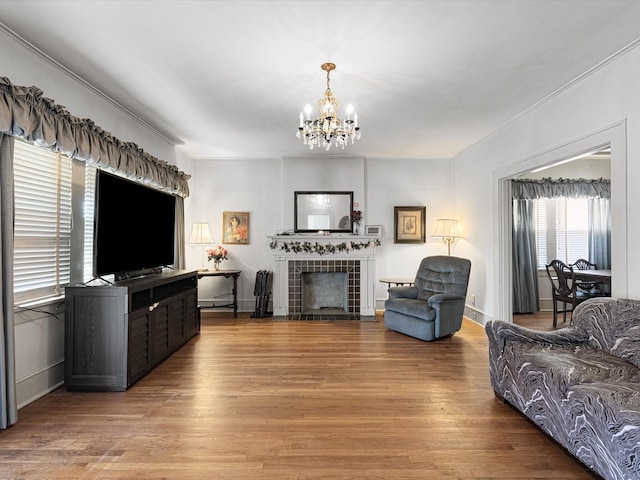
(409, 224)
(235, 228)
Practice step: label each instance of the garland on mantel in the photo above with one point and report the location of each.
(321, 248)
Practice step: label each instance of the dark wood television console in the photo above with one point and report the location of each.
(114, 335)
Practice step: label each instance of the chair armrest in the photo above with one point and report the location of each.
(449, 309)
(440, 298)
(403, 292)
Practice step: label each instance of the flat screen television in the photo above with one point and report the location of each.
(134, 226)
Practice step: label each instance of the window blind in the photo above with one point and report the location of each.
(42, 235)
(562, 229)
(572, 229)
(88, 215)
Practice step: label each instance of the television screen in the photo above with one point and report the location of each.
(134, 226)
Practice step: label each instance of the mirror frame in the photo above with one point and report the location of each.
(299, 222)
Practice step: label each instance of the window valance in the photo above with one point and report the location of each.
(24, 112)
(562, 187)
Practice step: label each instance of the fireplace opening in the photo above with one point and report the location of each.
(341, 301)
(324, 293)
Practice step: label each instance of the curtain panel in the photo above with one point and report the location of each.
(562, 187)
(24, 112)
(526, 298)
(8, 402)
(600, 232)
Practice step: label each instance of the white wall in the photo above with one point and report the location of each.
(605, 104)
(407, 182)
(253, 186)
(265, 188)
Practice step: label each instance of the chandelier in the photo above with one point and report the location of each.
(328, 129)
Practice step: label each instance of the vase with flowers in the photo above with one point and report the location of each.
(356, 218)
(217, 255)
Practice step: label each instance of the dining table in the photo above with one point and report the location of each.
(593, 276)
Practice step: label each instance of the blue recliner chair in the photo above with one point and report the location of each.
(433, 307)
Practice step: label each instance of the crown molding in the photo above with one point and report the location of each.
(108, 98)
(599, 66)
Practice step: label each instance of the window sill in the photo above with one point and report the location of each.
(42, 302)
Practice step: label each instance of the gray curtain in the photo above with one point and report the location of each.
(8, 405)
(600, 232)
(525, 258)
(24, 112)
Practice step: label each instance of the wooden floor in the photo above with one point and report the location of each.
(275, 399)
(540, 321)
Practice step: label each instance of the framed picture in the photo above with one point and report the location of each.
(409, 224)
(235, 228)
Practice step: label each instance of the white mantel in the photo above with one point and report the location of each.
(365, 255)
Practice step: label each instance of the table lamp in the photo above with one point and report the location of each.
(200, 235)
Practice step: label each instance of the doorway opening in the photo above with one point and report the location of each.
(612, 139)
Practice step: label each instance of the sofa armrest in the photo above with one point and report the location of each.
(501, 332)
(403, 292)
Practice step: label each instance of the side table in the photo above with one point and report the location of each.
(233, 274)
(397, 281)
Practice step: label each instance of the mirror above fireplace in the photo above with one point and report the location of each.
(323, 211)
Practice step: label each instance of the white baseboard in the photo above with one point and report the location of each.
(33, 387)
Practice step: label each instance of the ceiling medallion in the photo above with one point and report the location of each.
(328, 129)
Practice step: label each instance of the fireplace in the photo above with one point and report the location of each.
(324, 288)
(347, 293)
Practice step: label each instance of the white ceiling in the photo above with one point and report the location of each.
(229, 78)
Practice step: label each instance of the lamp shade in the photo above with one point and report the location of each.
(447, 228)
(200, 233)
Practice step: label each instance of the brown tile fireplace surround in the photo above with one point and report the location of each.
(331, 286)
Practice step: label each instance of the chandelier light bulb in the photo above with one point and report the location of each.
(349, 111)
(328, 129)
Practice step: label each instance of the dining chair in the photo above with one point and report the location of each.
(583, 264)
(564, 289)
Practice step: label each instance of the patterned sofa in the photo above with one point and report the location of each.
(580, 384)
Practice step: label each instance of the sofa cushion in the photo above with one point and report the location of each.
(563, 366)
(410, 306)
(613, 325)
